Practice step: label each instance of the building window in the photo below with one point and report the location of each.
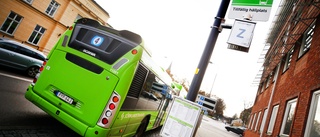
(258, 118)
(78, 17)
(28, 1)
(288, 59)
(288, 117)
(268, 80)
(306, 40)
(265, 113)
(12, 22)
(253, 121)
(52, 8)
(273, 119)
(262, 86)
(36, 35)
(313, 124)
(250, 122)
(276, 72)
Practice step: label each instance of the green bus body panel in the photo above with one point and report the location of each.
(129, 121)
(91, 92)
(63, 117)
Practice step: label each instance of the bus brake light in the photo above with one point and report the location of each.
(104, 121)
(112, 106)
(38, 74)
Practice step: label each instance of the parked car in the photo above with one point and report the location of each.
(19, 56)
(236, 129)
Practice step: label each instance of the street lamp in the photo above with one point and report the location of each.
(215, 76)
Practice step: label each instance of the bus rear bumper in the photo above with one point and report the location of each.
(55, 112)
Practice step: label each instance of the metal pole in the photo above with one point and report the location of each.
(206, 55)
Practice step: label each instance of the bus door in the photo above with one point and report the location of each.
(159, 87)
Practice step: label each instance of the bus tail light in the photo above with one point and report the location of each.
(40, 70)
(109, 111)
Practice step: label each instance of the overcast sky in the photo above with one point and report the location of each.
(177, 31)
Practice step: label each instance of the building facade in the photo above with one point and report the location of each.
(39, 23)
(287, 101)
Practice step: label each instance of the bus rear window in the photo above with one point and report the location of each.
(97, 40)
(99, 43)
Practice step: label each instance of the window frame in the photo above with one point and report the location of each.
(276, 73)
(304, 48)
(12, 20)
(269, 80)
(273, 119)
(36, 35)
(253, 121)
(288, 59)
(250, 122)
(257, 121)
(312, 112)
(77, 17)
(52, 5)
(264, 118)
(28, 1)
(286, 114)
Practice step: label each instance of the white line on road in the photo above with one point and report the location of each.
(16, 77)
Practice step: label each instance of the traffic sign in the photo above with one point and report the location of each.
(206, 102)
(256, 10)
(241, 35)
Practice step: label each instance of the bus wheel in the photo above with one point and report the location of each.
(142, 128)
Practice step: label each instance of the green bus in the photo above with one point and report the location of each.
(101, 82)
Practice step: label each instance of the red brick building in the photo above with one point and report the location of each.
(287, 101)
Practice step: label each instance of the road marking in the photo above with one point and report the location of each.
(16, 77)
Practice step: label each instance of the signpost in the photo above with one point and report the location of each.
(255, 10)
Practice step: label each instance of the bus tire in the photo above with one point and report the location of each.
(143, 126)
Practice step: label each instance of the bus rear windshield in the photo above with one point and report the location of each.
(99, 43)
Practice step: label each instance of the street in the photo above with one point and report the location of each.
(19, 117)
(213, 128)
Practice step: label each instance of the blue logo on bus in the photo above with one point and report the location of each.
(97, 41)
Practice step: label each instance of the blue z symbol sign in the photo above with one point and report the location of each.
(241, 32)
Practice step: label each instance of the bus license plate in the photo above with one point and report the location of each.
(64, 97)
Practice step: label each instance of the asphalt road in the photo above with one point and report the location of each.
(18, 116)
(21, 118)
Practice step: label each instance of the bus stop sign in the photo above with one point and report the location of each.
(256, 10)
(241, 35)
